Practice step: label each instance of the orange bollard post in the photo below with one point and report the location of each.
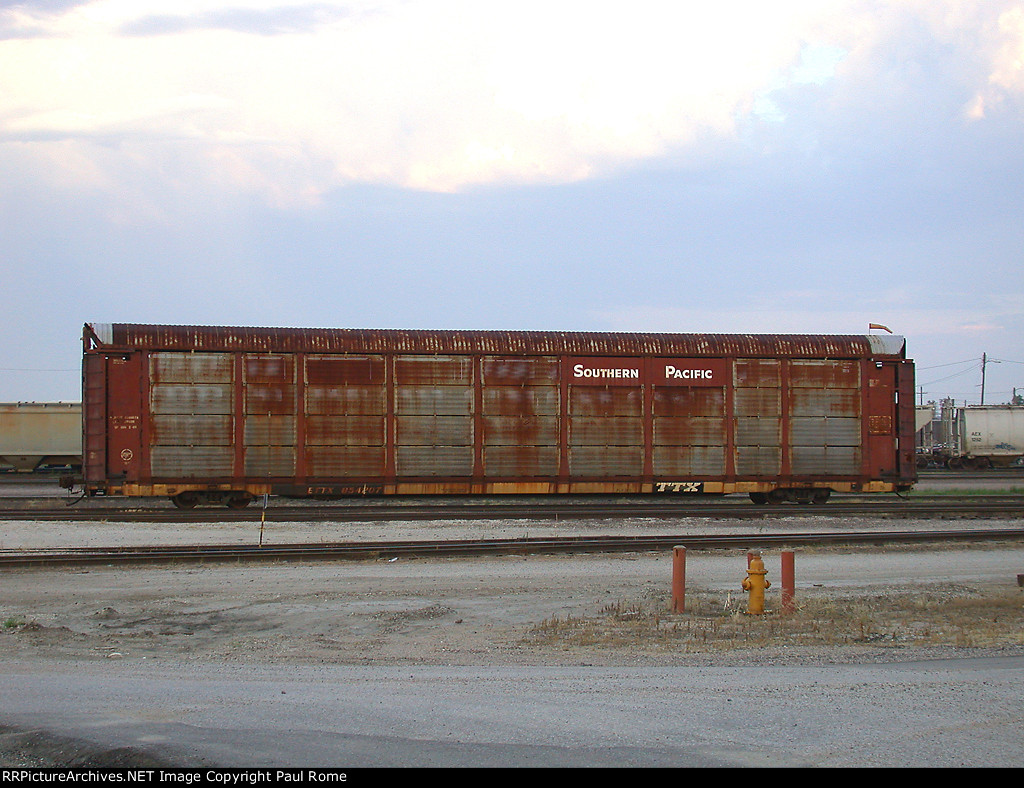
(788, 582)
(678, 579)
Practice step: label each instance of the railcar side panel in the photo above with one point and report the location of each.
(40, 435)
(271, 417)
(995, 432)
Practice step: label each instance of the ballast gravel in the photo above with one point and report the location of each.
(463, 662)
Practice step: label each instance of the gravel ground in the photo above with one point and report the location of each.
(857, 606)
(508, 610)
(456, 609)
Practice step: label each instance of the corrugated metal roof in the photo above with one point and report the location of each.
(320, 340)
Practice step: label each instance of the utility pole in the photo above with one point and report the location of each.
(984, 361)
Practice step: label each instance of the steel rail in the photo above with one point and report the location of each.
(483, 547)
(932, 507)
(947, 474)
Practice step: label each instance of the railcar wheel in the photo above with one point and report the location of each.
(185, 500)
(820, 496)
(759, 498)
(802, 496)
(238, 501)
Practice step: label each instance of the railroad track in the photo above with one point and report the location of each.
(891, 507)
(361, 551)
(945, 474)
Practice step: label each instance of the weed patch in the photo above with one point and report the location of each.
(718, 622)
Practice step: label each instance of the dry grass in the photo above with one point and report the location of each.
(959, 616)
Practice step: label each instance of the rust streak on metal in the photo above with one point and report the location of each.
(294, 340)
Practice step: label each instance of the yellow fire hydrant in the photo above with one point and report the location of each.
(756, 583)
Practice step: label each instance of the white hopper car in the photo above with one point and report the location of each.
(36, 436)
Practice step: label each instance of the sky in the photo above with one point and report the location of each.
(799, 166)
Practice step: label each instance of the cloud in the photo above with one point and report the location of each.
(265, 21)
(291, 100)
(1006, 55)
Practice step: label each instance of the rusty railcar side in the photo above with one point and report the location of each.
(223, 414)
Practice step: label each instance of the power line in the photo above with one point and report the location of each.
(17, 369)
(951, 364)
(954, 375)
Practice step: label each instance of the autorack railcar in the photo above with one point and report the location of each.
(207, 414)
